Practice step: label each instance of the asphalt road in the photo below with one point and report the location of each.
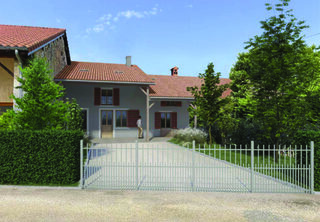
(48, 204)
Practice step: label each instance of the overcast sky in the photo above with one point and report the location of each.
(157, 34)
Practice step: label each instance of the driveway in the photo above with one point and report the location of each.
(166, 166)
(34, 204)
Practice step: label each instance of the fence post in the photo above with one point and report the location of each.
(81, 164)
(137, 166)
(252, 165)
(312, 167)
(193, 163)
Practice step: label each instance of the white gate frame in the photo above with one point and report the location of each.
(307, 169)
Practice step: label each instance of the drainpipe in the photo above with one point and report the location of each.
(18, 57)
(16, 52)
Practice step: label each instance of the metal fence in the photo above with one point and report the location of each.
(164, 166)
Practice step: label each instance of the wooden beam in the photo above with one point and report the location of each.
(6, 69)
(193, 106)
(148, 108)
(151, 105)
(143, 91)
(6, 104)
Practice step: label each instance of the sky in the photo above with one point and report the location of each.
(158, 34)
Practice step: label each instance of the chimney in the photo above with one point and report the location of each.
(128, 61)
(174, 71)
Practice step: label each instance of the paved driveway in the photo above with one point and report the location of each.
(34, 204)
(166, 166)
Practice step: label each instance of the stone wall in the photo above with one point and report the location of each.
(56, 55)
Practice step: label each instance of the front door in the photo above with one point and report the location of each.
(106, 123)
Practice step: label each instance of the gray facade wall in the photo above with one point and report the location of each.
(131, 98)
(182, 114)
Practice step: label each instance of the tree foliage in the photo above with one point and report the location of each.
(208, 101)
(276, 81)
(42, 106)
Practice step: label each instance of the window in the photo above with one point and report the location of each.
(84, 114)
(171, 103)
(121, 118)
(106, 97)
(165, 120)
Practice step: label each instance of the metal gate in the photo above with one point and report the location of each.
(165, 166)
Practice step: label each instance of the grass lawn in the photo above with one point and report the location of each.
(264, 162)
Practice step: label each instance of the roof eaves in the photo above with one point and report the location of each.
(101, 81)
(13, 48)
(45, 44)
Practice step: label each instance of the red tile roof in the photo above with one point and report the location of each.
(90, 71)
(26, 37)
(176, 86)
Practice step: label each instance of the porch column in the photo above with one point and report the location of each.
(195, 116)
(148, 108)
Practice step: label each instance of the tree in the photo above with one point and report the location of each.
(41, 106)
(274, 75)
(208, 99)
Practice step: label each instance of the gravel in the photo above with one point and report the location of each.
(42, 204)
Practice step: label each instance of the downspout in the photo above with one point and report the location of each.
(16, 52)
(18, 56)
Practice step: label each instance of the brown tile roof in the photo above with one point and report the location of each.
(90, 71)
(176, 86)
(26, 37)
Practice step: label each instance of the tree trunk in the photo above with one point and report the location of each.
(210, 136)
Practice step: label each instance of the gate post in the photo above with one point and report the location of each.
(137, 165)
(193, 163)
(312, 167)
(252, 166)
(81, 164)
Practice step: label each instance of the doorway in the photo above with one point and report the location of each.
(106, 124)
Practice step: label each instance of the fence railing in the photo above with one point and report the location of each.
(148, 166)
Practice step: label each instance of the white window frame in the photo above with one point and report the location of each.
(106, 105)
(114, 119)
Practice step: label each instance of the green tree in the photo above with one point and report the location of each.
(273, 75)
(208, 99)
(41, 106)
(75, 116)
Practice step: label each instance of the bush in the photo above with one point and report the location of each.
(190, 134)
(40, 157)
(304, 138)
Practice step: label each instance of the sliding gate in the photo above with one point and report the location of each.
(165, 166)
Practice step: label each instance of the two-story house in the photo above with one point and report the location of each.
(112, 96)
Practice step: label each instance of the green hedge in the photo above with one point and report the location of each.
(40, 157)
(304, 138)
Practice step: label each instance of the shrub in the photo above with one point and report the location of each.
(40, 157)
(304, 138)
(190, 134)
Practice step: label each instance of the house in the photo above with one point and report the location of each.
(17, 44)
(112, 96)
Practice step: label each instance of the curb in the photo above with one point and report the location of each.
(40, 187)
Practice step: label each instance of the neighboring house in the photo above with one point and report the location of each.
(17, 44)
(112, 96)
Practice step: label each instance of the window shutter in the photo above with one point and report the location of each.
(133, 116)
(157, 120)
(163, 103)
(97, 96)
(174, 121)
(116, 96)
